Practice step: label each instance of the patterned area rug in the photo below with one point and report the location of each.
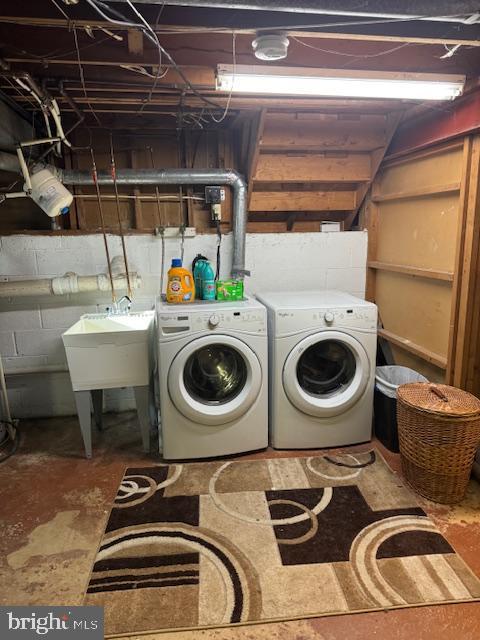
(218, 543)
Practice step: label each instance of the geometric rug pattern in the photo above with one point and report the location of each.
(218, 543)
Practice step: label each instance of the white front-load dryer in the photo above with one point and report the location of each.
(322, 368)
(213, 378)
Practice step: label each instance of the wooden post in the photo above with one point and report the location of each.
(372, 220)
(467, 354)
(456, 334)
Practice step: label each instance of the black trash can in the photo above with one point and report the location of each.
(387, 381)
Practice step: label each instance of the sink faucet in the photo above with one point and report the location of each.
(119, 307)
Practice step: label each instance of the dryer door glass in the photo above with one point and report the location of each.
(326, 373)
(326, 368)
(215, 374)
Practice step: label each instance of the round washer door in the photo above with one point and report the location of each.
(214, 379)
(326, 373)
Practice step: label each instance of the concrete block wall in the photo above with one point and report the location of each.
(31, 328)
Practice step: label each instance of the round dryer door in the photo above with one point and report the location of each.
(326, 373)
(214, 380)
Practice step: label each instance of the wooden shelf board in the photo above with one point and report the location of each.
(421, 352)
(412, 271)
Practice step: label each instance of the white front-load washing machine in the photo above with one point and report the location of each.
(213, 378)
(322, 368)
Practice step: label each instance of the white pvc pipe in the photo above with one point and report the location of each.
(67, 284)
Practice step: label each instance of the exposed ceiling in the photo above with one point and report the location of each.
(111, 73)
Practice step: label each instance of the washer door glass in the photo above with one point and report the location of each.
(326, 373)
(215, 374)
(214, 380)
(326, 368)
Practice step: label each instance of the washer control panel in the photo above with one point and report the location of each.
(209, 320)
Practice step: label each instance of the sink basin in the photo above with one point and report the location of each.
(102, 323)
(108, 351)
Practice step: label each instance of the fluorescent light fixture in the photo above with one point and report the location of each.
(297, 81)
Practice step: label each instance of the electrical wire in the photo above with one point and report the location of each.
(219, 244)
(156, 42)
(61, 10)
(102, 222)
(161, 224)
(355, 23)
(234, 64)
(15, 87)
(82, 77)
(117, 200)
(15, 441)
(350, 55)
(159, 74)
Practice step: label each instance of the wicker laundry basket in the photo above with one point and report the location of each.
(439, 432)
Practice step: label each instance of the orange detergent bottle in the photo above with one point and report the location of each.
(180, 286)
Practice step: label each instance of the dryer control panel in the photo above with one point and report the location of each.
(289, 321)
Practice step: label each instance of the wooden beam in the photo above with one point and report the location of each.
(372, 220)
(180, 30)
(464, 347)
(169, 96)
(412, 271)
(404, 157)
(289, 132)
(256, 132)
(376, 159)
(420, 193)
(411, 347)
(457, 324)
(302, 201)
(301, 216)
(461, 118)
(353, 167)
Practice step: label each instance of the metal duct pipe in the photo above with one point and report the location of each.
(437, 10)
(183, 177)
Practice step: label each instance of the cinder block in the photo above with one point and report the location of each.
(89, 242)
(38, 396)
(16, 363)
(350, 280)
(59, 262)
(44, 342)
(143, 304)
(17, 263)
(20, 242)
(17, 319)
(7, 344)
(63, 317)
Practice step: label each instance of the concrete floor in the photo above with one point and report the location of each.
(55, 503)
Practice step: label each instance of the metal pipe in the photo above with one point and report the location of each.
(436, 10)
(182, 177)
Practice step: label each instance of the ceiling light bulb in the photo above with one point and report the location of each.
(338, 83)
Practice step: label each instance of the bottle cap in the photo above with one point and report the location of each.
(176, 262)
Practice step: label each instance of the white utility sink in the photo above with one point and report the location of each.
(107, 351)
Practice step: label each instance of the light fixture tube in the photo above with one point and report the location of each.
(296, 81)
